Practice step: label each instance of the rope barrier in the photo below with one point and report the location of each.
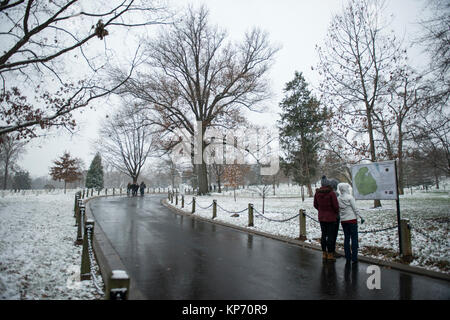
(204, 208)
(428, 236)
(317, 221)
(275, 220)
(378, 230)
(231, 211)
(359, 231)
(91, 261)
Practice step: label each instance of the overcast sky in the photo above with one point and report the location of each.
(297, 26)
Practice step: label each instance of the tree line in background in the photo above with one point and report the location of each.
(371, 104)
(382, 108)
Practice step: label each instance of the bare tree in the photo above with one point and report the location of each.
(431, 135)
(125, 142)
(10, 150)
(113, 178)
(234, 176)
(436, 39)
(356, 62)
(172, 169)
(216, 159)
(40, 39)
(407, 95)
(335, 163)
(164, 172)
(195, 76)
(261, 149)
(216, 152)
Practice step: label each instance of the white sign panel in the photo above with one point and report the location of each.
(374, 181)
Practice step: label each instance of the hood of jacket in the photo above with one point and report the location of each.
(344, 194)
(346, 202)
(344, 188)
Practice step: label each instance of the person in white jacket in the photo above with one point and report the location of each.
(348, 213)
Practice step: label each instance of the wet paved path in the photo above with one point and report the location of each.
(176, 257)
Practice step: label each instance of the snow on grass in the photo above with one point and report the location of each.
(38, 258)
(428, 214)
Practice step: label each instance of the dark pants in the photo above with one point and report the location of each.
(337, 229)
(350, 234)
(328, 240)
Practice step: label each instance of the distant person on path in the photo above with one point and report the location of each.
(142, 188)
(135, 188)
(326, 202)
(128, 188)
(348, 213)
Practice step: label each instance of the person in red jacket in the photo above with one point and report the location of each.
(326, 202)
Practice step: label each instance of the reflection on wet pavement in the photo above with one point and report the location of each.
(172, 256)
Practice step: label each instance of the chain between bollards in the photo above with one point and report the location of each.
(85, 272)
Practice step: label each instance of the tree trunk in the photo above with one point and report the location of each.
(310, 192)
(5, 179)
(264, 198)
(401, 184)
(202, 175)
(218, 183)
(200, 168)
(65, 184)
(376, 203)
(436, 176)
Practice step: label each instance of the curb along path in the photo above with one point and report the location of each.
(176, 255)
(387, 264)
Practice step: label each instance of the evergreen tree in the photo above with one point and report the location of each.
(301, 124)
(22, 180)
(94, 177)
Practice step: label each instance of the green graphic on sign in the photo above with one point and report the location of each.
(364, 181)
(374, 180)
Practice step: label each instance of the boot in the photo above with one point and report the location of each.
(330, 257)
(324, 255)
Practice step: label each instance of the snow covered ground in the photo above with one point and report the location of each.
(428, 212)
(38, 258)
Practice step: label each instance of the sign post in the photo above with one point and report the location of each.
(377, 181)
(398, 212)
